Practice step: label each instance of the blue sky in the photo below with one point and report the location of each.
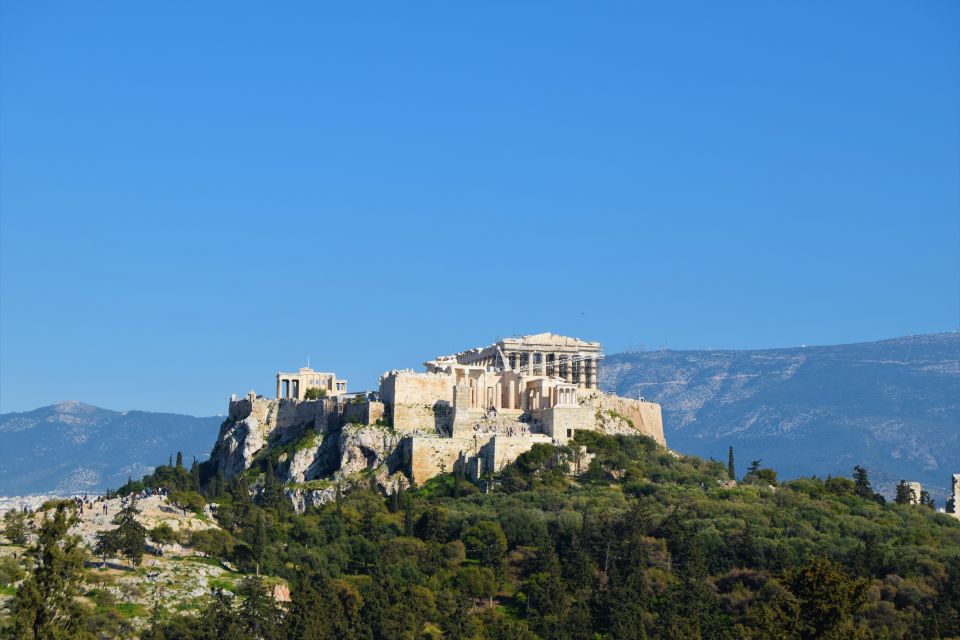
(195, 195)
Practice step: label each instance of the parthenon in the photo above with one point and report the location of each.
(545, 354)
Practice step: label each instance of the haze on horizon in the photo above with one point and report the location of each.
(192, 199)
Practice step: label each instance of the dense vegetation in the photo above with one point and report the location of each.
(641, 543)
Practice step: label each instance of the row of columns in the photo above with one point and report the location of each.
(582, 372)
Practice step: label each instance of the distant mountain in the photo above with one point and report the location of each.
(893, 406)
(74, 447)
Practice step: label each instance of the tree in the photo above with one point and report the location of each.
(45, 605)
(163, 534)
(486, 542)
(195, 476)
(187, 500)
(861, 481)
(731, 471)
(905, 494)
(828, 599)
(315, 393)
(15, 526)
(131, 536)
(179, 460)
(432, 525)
(477, 582)
(316, 612)
(107, 544)
(272, 495)
(259, 615)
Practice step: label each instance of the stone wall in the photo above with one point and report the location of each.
(426, 456)
(367, 412)
(502, 450)
(418, 402)
(562, 423)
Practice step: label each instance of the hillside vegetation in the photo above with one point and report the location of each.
(642, 544)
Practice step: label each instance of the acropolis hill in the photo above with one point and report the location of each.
(474, 411)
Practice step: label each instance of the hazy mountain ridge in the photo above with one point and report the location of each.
(893, 405)
(72, 447)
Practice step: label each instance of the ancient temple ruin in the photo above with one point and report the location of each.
(295, 385)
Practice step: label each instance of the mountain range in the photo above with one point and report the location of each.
(892, 406)
(73, 447)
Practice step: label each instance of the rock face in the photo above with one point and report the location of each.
(316, 453)
(238, 443)
(363, 448)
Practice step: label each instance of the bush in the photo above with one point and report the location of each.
(187, 500)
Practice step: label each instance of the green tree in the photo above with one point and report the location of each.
(107, 544)
(432, 524)
(131, 535)
(195, 476)
(905, 494)
(828, 599)
(316, 612)
(218, 620)
(179, 460)
(731, 471)
(163, 534)
(315, 393)
(15, 526)
(485, 542)
(45, 605)
(259, 616)
(271, 497)
(861, 481)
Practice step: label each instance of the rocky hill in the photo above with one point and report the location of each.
(892, 405)
(75, 447)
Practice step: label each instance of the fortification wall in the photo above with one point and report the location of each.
(427, 456)
(418, 402)
(562, 423)
(503, 450)
(362, 413)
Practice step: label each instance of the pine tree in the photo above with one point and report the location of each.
(45, 604)
(131, 536)
(731, 471)
(15, 526)
(862, 484)
(259, 616)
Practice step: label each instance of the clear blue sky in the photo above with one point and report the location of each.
(195, 195)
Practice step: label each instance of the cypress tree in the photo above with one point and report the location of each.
(179, 460)
(904, 494)
(731, 471)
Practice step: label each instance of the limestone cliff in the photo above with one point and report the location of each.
(313, 453)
